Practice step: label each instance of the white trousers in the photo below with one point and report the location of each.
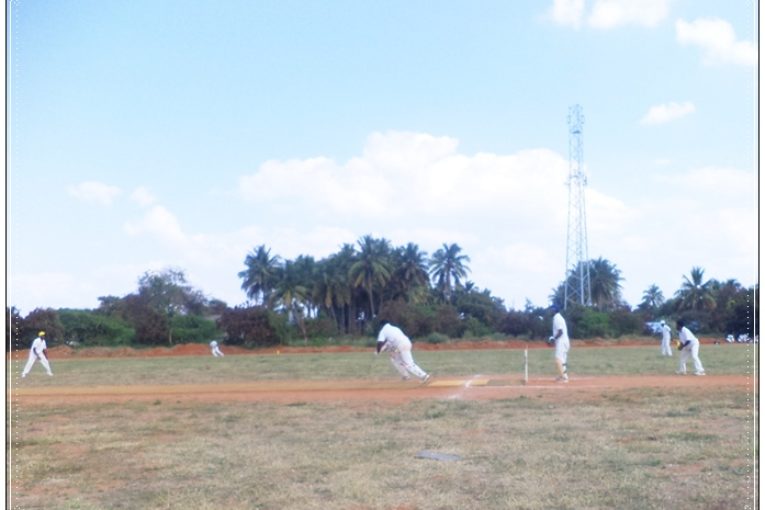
(666, 348)
(690, 352)
(403, 362)
(216, 352)
(31, 362)
(561, 350)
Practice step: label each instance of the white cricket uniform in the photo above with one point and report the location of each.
(215, 349)
(562, 343)
(400, 348)
(666, 336)
(37, 351)
(690, 351)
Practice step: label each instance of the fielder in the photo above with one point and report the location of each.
(562, 344)
(688, 345)
(393, 340)
(666, 335)
(216, 352)
(39, 350)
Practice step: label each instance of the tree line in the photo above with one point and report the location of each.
(347, 294)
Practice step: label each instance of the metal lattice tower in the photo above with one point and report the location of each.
(577, 281)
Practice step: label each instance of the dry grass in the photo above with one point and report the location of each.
(633, 449)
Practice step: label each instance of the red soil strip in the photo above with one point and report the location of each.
(382, 391)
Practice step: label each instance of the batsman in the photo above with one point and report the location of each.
(560, 339)
(393, 340)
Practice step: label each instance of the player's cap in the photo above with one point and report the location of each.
(41, 333)
(662, 323)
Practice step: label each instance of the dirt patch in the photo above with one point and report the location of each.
(391, 391)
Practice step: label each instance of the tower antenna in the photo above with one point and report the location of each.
(577, 281)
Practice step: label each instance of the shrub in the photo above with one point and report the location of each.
(253, 327)
(91, 328)
(436, 338)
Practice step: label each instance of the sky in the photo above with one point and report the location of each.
(144, 136)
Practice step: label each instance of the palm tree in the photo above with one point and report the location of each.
(653, 298)
(447, 266)
(259, 276)
(372, 268)
(332, 291)
(410, 276)
(605, 289)
(291, 294)
(695, 293)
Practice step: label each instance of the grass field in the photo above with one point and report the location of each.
(635, 448)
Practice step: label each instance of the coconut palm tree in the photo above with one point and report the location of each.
(653, 298)
(371, 270)
(695, 293)
(290, 294)
(260, 274)
(448, 267)
(410, 275)
(605, 286)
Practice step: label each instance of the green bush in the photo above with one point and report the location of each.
(89, 328)
(254, 327)
(436, 338)
(193, 329)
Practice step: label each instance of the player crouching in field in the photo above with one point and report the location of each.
(688, 345)
(393, 340)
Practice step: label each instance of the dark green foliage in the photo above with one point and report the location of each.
(90, 328)
(587, 323)
(193, 329)
(320, 327)
(624, 322)
(436, 338)
(40, 319)
(253, 327)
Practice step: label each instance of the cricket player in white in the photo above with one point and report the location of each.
(562, 344)
(37, 351)
(393, 340)
(666, 336)
(689, 348)
(215, 349)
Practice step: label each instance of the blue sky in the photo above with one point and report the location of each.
(149, 135)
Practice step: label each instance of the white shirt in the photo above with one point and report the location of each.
(686, 335)
(395, 337)
(38, 346)
(559, 324)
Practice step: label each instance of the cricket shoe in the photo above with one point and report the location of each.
(561, 379)
(426, 379)
(700, 373)
(680, 373)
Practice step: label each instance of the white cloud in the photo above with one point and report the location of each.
(717, 40)
(94, 192)
(142, 197)
(660, 114)
(567, 12)
(160, 223)
(411, 173)
(607, 14)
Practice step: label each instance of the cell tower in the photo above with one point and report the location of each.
(577, 281)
